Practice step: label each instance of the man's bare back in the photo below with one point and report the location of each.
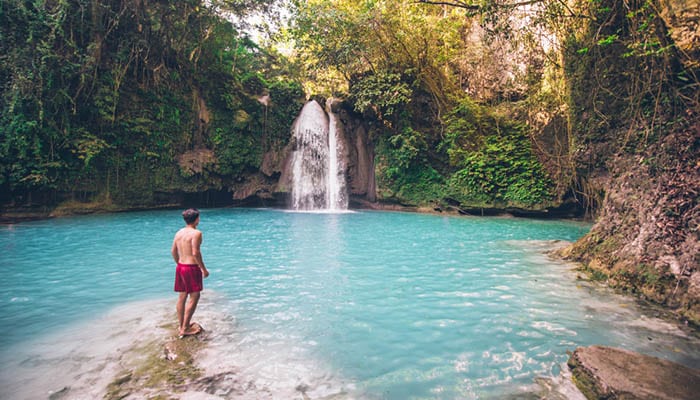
(186, 246)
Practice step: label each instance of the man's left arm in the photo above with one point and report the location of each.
(197, 253)
(174, 252)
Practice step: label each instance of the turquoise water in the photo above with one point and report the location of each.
(359, 305)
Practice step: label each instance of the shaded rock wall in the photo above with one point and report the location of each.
(682, 17)
(636, 131)
(646, 239)
(359, 153)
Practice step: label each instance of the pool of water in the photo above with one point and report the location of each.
(368, 305)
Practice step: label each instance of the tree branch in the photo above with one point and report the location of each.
(476, 7)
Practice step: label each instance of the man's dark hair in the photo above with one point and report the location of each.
(190, 215)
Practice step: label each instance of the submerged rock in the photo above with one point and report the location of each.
(60, 394)
(609, 373)
(158, 368)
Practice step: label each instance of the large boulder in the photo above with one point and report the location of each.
(610, 373)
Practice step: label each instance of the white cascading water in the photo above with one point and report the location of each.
(337, 199)
(318, 175)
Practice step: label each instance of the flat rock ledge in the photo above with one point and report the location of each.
(610, 373)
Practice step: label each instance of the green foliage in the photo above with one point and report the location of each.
(493, 160)
(610, 39)
(102, 97)
(376, 40)
(627, 77)
(385, 94)
(23, 164)
(407, 149)
(503, 171)
(235, 151)
(404, 169)
(420, 185)
(87, 146)
(286, 99)
(465, 126)
(403, 63)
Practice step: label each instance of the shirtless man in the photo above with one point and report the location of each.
(189, 272)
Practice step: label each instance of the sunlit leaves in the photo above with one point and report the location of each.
(384, 94)
(87, 146)
(377, 37)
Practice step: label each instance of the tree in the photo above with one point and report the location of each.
(101, 97)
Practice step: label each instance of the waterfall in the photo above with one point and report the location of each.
(337, 199)
(318, 169)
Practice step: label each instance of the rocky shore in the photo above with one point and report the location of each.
(600, 373)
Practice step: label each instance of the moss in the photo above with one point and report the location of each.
(71, 207)
(643, 280)
(608, 245)
(160, 367)
(158, 371)
(596, 275)
(692, 314)
(583, 381)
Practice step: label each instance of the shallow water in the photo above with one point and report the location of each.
(365, 305)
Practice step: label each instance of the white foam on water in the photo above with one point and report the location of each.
(320, 211)
(267, 365)
(83, 358)
(79, 362)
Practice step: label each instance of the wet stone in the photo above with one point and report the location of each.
(610, 373)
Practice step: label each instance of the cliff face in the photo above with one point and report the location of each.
(638, 144)
(646, 238)
(359, 153)
(682, 17)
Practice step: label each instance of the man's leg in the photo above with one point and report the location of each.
(189, 311)
(182, 298)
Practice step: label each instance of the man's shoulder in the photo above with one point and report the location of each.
(191, 232)
(184, 232)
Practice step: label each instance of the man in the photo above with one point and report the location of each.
(189, 271)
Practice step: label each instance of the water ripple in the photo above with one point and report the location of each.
(360, 305)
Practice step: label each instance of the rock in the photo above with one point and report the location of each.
(274, 161)
(682, 18)
(123, 379)
(60, 394)
(610, 373)
(170, 351)
(195, 161)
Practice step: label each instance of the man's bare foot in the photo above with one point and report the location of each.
(193, 329)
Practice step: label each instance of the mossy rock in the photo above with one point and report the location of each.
(610, 373)
(160, 367)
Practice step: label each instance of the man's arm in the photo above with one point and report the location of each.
(174, 252)
(196, 243)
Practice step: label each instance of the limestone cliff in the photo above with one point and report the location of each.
(646, 238)
(359, 152)
(638, 148)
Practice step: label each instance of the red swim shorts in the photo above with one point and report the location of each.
(188, 278)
